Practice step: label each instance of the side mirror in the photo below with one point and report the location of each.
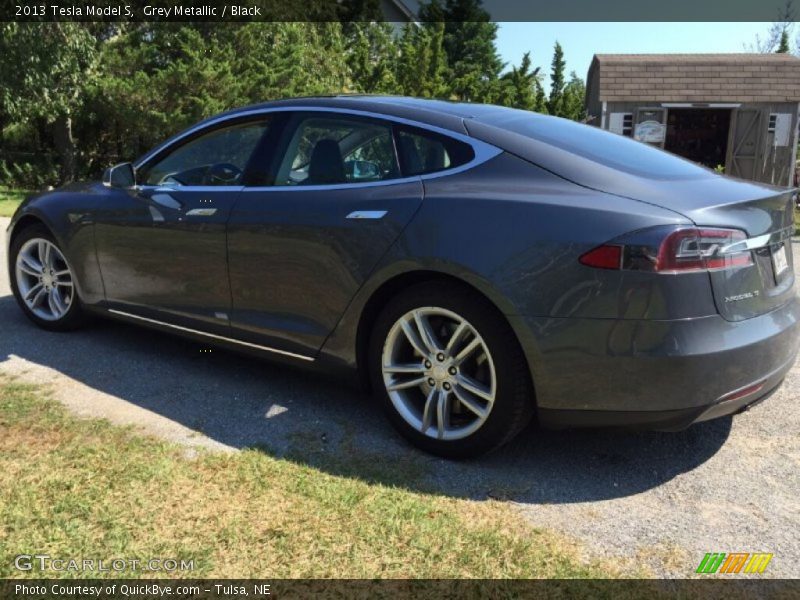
(120, 176)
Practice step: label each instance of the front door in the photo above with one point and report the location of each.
(162, 245)
(300, 249)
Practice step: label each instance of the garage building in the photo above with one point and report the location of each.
(739, 111)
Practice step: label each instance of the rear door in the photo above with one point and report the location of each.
(301, 248)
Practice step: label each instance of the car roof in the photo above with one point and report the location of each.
(439, 113)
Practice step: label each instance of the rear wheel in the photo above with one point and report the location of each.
(43, 282)
(449, 372)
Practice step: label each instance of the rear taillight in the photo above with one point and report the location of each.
(603, 257)
(671, 250)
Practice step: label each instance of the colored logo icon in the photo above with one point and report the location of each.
(735, 562)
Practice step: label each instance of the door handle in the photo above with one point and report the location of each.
(201, 212)
(367, 214)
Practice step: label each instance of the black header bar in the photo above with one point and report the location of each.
(393, 10)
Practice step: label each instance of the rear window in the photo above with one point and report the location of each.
(609, 149)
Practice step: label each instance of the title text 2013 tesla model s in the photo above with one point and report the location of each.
(476, 265)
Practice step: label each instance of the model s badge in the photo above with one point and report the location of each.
(744, 296)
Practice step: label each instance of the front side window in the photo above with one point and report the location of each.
(213, 159)
(329, 150)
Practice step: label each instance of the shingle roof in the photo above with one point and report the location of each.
(697, 77)
(748, 57)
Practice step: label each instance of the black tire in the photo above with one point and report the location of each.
(75, 316)
(514, 403)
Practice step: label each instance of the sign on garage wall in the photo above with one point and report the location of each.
(651, 132)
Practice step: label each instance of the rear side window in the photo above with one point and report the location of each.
(422, 152)
(334, 149)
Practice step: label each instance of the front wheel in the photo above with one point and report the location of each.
(43, 282)
(449, 372)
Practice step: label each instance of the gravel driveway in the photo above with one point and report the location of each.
(655, 499)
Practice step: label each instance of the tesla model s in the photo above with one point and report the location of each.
(474, 266)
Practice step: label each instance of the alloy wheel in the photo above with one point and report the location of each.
(44, 279)
(439, 373)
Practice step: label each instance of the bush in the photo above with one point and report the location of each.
(28, 175)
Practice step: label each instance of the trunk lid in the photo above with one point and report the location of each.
(768, 220)
(764, 212)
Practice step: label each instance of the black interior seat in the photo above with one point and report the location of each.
(409, 156)
(435, 159)
(326, 164)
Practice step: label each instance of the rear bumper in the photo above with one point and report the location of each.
(656, 374)
(659, 420)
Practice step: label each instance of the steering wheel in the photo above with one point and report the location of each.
(224, 173)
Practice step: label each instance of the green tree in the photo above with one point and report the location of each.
(158, 79)
(422, 63)
(574, 99)
(521, 86)
(372, 57)
(47, 68)
(541, 98)
(777, 38)
(555, 102)
(352, 12)
(161, 77)
(279, 60)
(469, 42)
(783, 44)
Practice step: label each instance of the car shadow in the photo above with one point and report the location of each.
(247, 403)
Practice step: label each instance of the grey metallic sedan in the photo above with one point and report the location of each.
(475, 266)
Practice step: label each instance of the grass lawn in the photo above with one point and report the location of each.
(75, 488)
(10, 200)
